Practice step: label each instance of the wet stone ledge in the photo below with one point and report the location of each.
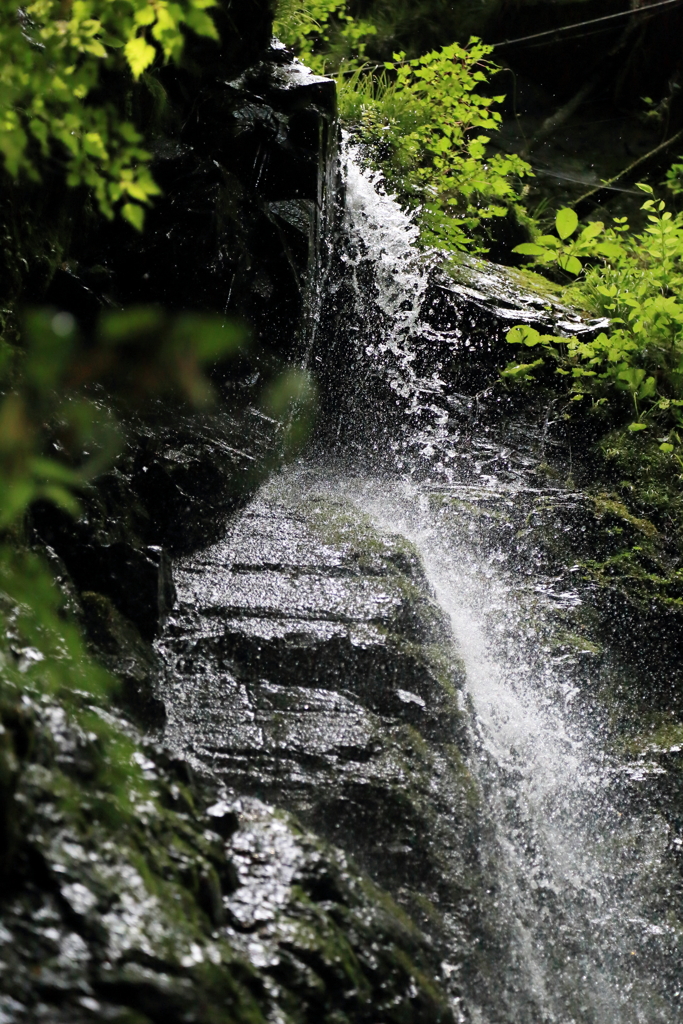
(308, 665)
(182, 908)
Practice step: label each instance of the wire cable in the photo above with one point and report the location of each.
(584, 24)
(536, 35)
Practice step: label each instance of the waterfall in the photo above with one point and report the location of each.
(580, 879)
(582, 883)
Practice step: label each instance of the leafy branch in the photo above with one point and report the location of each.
(53, 57)
(636, 279)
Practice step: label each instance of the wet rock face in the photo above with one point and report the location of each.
(171, 491)
(185, 908)
(308, 665)
(332, 946)
(410, 349)
(246, 173)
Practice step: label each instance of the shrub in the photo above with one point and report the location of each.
(636, 279)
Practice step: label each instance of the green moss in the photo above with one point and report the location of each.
(629, 572)
(649, 480)
(520, 278)
(608, 504)
(660, 733)
(575, 642)
(466, 781)
(343, 526)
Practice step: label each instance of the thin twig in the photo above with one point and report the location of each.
(627, 170)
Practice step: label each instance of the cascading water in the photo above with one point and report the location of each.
(472, 771)
(580, 882)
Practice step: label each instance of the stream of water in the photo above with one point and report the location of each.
(580, 880)
(582, 884)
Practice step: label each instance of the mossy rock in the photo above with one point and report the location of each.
(132, 906)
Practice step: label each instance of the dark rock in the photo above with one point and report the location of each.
(223, 819)
(136, 576)
(144, 915)
(122, 650)
(432, 360)
(140, 582)
(190, 473)
(246, 181)
(308, 665)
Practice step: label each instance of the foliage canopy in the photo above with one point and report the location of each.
(56, 67)
(636, 280)
(426, 121)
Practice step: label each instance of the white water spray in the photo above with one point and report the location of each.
(581, 880)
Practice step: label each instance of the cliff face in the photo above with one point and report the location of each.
(137, 888)
(248, 173)
(274, 817)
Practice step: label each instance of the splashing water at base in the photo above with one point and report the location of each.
(580, 882)
(580, 878)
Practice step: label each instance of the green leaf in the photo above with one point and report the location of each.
(521, 370)
(61, 497)
(201, 23)
(530, 249)
(592, 230)
(632, 377)
(566, 222)
(647, 388)
(94, 146)
(120, 326)
(666, 447)
(145, 15)
(134, 214)
(523, 335)
(49, 470)
(14, 499)
(610, 250)
(209, 338)
(643, 187)
(139, 55)
(633, 427)
(570, 263)
(50, 338)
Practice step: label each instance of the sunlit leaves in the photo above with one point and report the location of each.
(523, 335)
(447, 153)
(567, 252)
(323, 33)
(530, 249)
(425, 118)
(94, 146)
(571, 264)
(566, 222)
(139, 54)
(636, 279)
(50, 74)
(522, 371)
(134, 214)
